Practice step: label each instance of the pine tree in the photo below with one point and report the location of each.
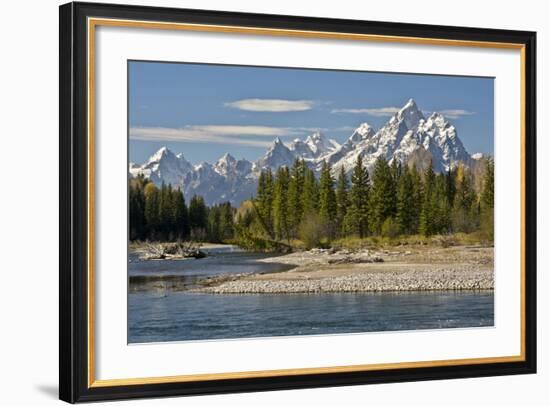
(226, 221)
(310, 195)
(166, 212)
(342, 200)
(327, 200)
(465, 208)
(198, 217)
(487, 200)
(450, 187)
(405, 203)
(264, 199)
(180, 215)
(488, 192)
(280, 207)
(418, 193)
(213, 225)
(152, 210)
(427, 215)
(382, 197)
(396, 170)
(357, 218)
(442, 220)
(295, 191)
(136, 206)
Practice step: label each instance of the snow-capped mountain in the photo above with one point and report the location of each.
(315, 146)
(407, 134)
(407, 137)
(165, 166)
(277, 155)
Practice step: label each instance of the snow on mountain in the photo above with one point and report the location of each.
(165, 166)
(319, 145)
(402, 136)
(314, 149)
(276, 156)
(408, 137)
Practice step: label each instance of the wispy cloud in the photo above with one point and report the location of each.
(378, 112)
(271, 105)
(344, 128)
(390, 111)
(217, 134)
(456, 113)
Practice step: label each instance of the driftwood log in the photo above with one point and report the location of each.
(180, 249)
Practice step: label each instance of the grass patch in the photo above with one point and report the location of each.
(445, 240)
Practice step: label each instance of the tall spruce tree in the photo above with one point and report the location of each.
(382, 196)
(198, 217)
(357, 217)
(152, 211)
(442, 212)
(418, 192)
(136, 206)
(487, 200)
(280, 207)
(264, 199)
(310, 195)
(396, 170)
(342, 200)
(226, 221)
(428, 213)
(327, 200)
(214, 224)
(450, 187)
(180, 215)
(406, 212)
(465, 210)
(488, 191)
(295, 191)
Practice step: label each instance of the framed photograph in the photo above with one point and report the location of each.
(257, 202)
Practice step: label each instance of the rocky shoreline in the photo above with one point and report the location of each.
(331, 271)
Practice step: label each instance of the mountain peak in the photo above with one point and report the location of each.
(410, 114)
(316, 136)
(227, 157)
(161, 152)
(410, 103)
(318, 143)
(406, 137)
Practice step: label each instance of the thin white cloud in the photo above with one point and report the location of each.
(344, 128)
(271, 105)
(390, 111)
(217, 134)
(378, 112)
(456, 113)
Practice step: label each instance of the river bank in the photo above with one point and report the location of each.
(405, 268)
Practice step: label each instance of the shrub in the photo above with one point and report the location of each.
(390, 228)
(311, 231)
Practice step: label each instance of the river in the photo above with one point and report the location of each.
(161, 307)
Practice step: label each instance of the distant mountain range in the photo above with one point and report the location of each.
(408, 137)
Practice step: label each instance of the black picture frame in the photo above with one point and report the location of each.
(74, 199)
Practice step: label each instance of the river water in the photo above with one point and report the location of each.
(161, 308)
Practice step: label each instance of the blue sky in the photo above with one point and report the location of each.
(207, 110)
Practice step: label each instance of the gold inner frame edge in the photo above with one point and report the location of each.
(94, 22)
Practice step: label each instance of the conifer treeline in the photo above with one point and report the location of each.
(293, 204)
(398, 200)
(161, 214)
